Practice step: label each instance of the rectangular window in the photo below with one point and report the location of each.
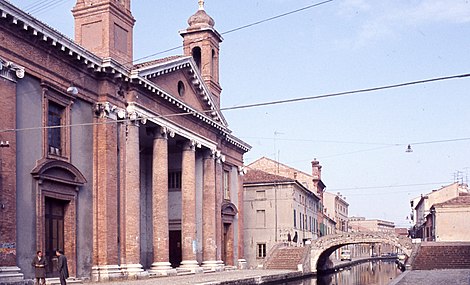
(261, 218)
(226, 185)
(54, 132)
(295, 219)
(261, 250)
(261, 194)
(174, 181)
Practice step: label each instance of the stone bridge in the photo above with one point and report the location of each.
(324, 246)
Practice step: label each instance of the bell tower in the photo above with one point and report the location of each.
(201, 41)
(104, 27)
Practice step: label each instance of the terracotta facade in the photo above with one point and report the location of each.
(126, 169)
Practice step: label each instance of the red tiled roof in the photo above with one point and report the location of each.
(157, 61)
(259, 176)
(461, 201)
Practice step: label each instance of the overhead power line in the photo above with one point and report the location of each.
(344, 93)
(242, 27)
(277, 17)
(306, 98)
(43, 6)
(387, 186)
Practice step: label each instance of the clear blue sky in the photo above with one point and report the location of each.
(339, 46)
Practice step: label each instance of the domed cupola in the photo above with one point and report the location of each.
(200, 20)
(201, 41)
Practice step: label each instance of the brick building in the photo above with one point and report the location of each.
(313, 182)
(111, 161)
(276, 206)
(422, 215)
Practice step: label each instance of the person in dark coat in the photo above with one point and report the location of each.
(289, 238)
(295, 239)
(62, 267)
(40, 263)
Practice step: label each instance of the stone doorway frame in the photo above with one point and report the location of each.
(58, 180)
(228, 212)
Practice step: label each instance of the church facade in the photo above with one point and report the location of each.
(130, 169)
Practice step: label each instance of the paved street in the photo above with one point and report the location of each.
(434, 277)
(226, 277)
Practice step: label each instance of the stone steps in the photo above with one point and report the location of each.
(442, 256)
(285, 258)
(70, 280)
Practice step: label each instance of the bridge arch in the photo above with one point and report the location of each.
(323, 247)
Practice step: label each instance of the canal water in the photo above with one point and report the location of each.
(376, 272)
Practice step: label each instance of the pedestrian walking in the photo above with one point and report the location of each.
(295, 238)
(39, 263)
(62, 267)
(289, 239)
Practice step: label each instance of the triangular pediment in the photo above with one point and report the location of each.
(179, 77)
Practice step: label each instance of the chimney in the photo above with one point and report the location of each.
(105, 27)
(316, 169)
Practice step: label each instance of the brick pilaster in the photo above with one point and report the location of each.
(105, 199)
(241, 253)
(8, 174)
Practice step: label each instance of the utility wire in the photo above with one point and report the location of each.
(44, 6)
(36, 4)
(386, 186)
(346, 92)
(323, 141)
(316, 97)
(276, 17)
(52, 5)
(243, 27)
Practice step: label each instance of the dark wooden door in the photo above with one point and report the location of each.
(175, 248)
(224, 243)
(54, 231)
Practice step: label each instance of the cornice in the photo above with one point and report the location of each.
(187, 62)
(53, 38)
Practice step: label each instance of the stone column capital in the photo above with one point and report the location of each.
(159, 133)
(189, 145)
(209, 154)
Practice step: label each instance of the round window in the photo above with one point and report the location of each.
(181, 88)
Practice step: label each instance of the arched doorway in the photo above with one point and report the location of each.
(57, 185)
(229, 210)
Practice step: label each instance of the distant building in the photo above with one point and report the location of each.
(361, 224)
(450, 219)
(276, 207)
(402, 232)
(313, 182)
(421, 207)
(336, 207)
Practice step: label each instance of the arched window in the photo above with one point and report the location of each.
(197, 56)
(214, 66)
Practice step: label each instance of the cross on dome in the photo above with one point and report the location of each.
(201, 4)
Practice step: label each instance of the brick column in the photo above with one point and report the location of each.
(219, 195)
(8, 267)
(208, 213)
(161, 255)
(188, 201)
(130, 258)
(106, 161)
